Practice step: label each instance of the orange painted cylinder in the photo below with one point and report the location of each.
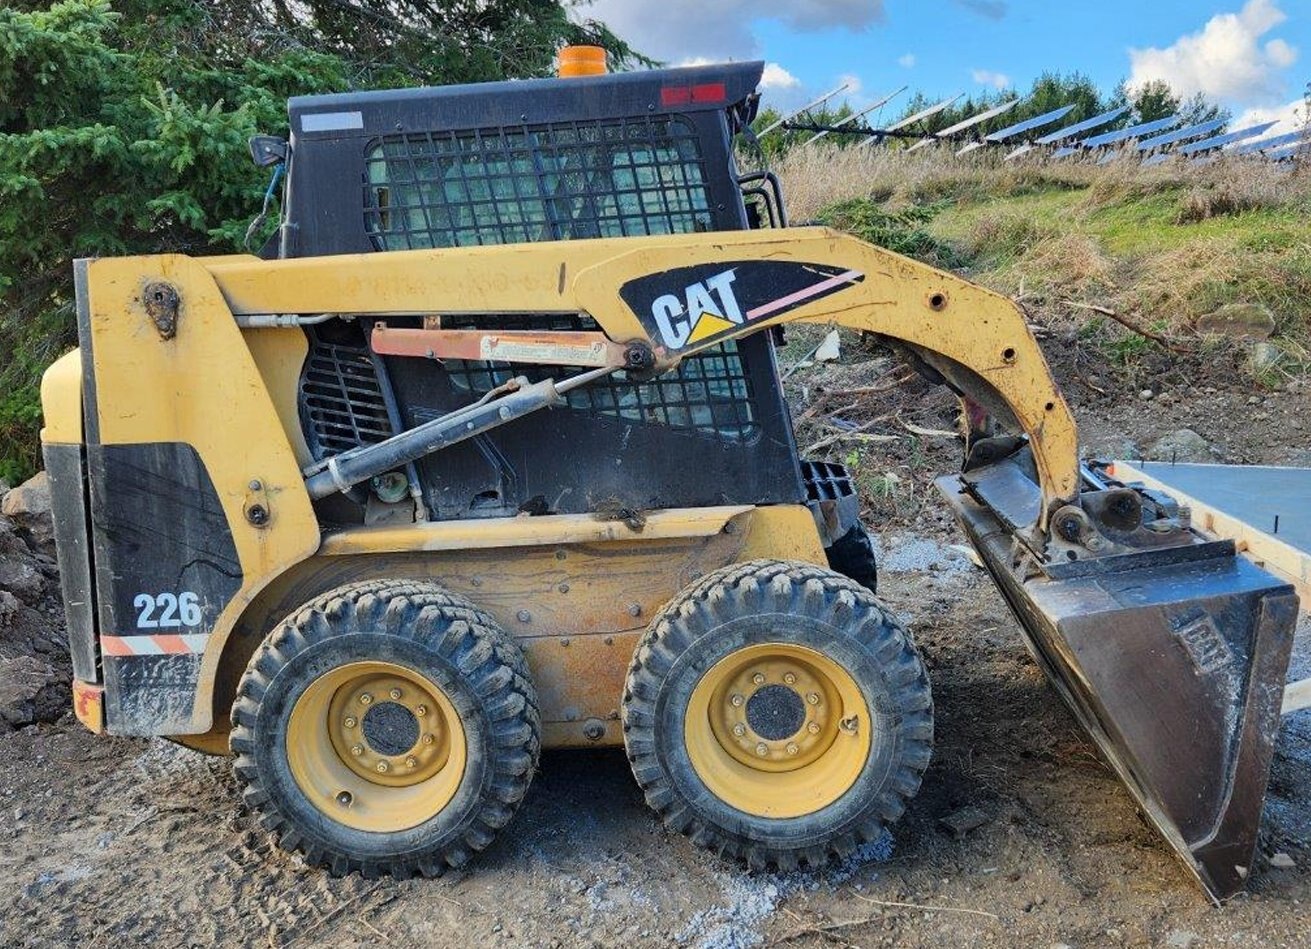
(582, 61)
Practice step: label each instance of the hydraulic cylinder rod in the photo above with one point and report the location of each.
(519, 398)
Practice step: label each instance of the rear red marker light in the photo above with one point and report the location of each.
(675, 95)
(709, 92)
(706, 92)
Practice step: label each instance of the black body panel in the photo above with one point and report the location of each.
(64, 468)
(162, 545)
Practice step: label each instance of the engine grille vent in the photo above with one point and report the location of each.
(341, 400)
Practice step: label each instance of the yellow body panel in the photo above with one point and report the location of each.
(61, 400)
(203, 388)
(577, 606)
(529, 531)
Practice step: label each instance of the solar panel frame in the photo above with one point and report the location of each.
(1087, 125)
(1220, 141)
(1288, 138)
(1292, 151)
(1179, 135)
(1134, 131)
(1038, 121)
(917, 117)
(855, 115)
(968, 123)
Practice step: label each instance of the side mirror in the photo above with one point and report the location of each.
(267, 150)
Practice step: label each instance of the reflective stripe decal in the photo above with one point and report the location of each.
(184, 644)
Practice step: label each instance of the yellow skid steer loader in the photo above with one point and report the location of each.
(487, 452)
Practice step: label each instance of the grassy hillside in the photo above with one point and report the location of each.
(1159, 248)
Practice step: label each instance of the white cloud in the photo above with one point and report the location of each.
(1291, 117)
(673, 30)
(777, 78)
(907, 61)
(1225, 60)
(986, 77)
(853, 83)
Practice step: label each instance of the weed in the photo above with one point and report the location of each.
(902, 232)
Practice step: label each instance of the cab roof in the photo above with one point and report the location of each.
(525, 101)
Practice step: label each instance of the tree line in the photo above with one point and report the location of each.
(123, 129)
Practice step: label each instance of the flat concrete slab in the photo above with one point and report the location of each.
(1253, 494)
(1266, 511)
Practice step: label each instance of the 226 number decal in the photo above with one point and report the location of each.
(175, 611)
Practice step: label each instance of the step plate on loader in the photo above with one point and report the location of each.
(1173, 660)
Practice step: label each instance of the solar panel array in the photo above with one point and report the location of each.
(1155, 142)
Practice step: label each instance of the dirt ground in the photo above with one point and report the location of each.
(118, 841)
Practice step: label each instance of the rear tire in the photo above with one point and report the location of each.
(776, 713)
(387, 727)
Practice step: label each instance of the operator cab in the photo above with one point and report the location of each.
(600, 156)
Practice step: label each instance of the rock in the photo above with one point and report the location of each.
(28, 505)
(1146, 395)
(29, 499)
(1238, 321)
(31, 690)
(961, 822)
(1111, 449)
(1264, 357)
(1282, 861)
(1182, 445)
(8, 609)
(1181, 938)
(21, 578)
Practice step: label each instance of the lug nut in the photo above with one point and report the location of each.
(366, 698)
(790, 678)
(739, 729)
(792, 748)
(813, 728)
(762, 749)
(428, 739)
(395, 694)
(345, 798)
(357, 750)
(350, 721)
(420, 710)
(758, 678)
(411, 762)
(383, 767)
(736, 700)
(812, 698)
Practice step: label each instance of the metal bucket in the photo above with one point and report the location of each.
(1172, 658)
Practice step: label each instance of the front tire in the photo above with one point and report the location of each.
(776, 713)
(386, 727)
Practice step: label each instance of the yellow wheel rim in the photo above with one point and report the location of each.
(376, 746)
(778, 730)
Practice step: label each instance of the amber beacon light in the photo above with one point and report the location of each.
(582, 61)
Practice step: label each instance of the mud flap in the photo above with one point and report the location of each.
(1174, 661)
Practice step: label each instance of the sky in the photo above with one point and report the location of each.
(1248, 55)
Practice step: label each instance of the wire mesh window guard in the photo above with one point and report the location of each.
(709, 392)
(619, 178)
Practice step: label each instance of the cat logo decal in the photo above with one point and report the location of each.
(693, 305)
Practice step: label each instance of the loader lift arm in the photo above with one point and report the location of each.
(975, 339)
